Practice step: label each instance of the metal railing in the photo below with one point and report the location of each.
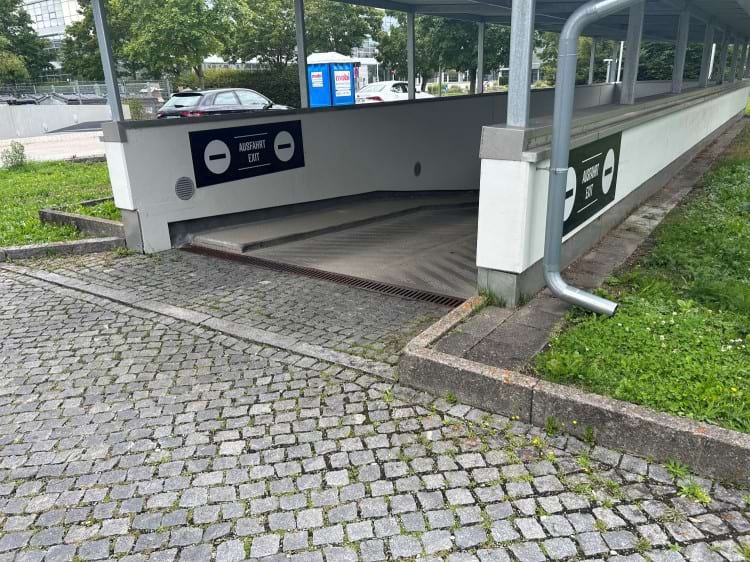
(128, 88)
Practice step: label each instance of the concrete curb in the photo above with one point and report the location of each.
(234, 329)
(74, 247)
(84, 223)
(709, 450)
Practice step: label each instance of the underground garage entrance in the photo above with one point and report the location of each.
(421, 246)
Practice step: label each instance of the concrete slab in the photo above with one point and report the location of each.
(340, 214)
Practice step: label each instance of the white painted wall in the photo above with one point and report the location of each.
(348, 151)
(513, 195)
(21, 121)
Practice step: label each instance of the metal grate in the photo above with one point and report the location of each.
(351, 281)
(184, 188)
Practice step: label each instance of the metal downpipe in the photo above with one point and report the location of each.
(561, 129)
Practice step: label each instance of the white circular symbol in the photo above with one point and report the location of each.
(609, 171)
(283, 146)
(570, 192)
(217, 156)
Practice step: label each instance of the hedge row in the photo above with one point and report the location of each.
(281, 86)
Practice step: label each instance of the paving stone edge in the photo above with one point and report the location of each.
(709, 450)
(234, 329)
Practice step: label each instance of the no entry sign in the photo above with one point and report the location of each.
(592, 180)
(235, 153)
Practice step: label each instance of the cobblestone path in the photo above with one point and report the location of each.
(130, 435)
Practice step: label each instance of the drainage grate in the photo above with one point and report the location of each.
(358, 282)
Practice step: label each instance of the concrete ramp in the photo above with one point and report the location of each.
(424, 243)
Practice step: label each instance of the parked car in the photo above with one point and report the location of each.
(393, 90)
(216, 102)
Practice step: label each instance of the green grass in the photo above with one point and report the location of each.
(681, 337)
(103, 210)
(46, 184)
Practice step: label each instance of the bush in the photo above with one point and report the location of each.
(14, 156)
(280, 86)
(137, 109)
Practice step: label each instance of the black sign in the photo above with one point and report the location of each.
(223, 155)
(592, 180)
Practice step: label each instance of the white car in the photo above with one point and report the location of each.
(387, 91)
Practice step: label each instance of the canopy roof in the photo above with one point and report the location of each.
(660, 22)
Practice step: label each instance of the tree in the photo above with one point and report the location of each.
(12, 67)
(79, 52)
(23, 54)
(443, 43)
(657, 61)
(171, 36)
(392, 48)
(548, 47)
(267, 30)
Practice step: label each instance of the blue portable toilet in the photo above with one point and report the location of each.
(319, 85)
(331, 79)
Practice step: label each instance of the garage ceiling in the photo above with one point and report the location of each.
(660, 22)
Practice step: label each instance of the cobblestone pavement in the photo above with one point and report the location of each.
(128, 435)
(318, 312)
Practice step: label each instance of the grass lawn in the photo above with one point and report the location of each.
(103, 210)
(680, 341)
(46, 184)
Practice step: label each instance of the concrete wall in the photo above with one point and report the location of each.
(348, 151)
(513, 194)
(20, 121)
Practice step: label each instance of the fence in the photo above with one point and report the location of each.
(128, 89)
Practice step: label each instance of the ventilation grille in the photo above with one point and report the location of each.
(359, 283)
(184, 188)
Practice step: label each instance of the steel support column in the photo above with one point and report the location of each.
(723, 58)
(708, 51)
(683, 32)
(108, 62)
(410, 54)
(746, 64)
(592, 61)
(480, 58)
(521, 51)
(299, 23)
(740, 68)
(736, 54)
(633, 54)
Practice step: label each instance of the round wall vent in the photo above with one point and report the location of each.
(184, 188)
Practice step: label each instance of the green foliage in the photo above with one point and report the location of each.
(589, 436)
(266, 29)
(442, 43)
(137, 110)
(451, 398)
(38, 185)
(491, 298)
(657, 61)
(103, 210)
(551, 427)
(676, 469)
(679, 342)
(79, 51)
(23, 54)
(548, 45)
(281, 86)
(693, 491)
(14, 156)
(12, 67)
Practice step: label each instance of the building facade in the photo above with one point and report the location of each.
(49, 18)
